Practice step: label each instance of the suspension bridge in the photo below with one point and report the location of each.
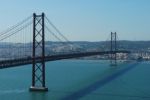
(25, 43)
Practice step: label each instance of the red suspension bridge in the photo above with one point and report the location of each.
(24, 43)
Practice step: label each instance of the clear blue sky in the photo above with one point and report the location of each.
(87, 20)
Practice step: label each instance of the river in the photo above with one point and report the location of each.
(80, 80)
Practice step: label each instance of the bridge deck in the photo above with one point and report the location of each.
(25, 61)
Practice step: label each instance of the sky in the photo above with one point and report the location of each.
(84, 20)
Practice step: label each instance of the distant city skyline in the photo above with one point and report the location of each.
(85, 20)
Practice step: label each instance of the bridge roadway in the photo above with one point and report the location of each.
(25, 61)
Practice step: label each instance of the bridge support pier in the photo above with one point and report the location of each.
(113, 48)
(38, 66)
(44, 89)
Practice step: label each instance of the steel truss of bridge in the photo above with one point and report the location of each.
(25, 61)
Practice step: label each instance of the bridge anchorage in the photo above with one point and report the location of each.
(38, 68)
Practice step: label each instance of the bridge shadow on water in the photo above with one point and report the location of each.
(100, 83)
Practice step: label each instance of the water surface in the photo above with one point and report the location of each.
(68, 77)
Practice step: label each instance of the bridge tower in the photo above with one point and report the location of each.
(113, 48)
(38, 66)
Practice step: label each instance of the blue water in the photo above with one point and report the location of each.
(80, 79)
